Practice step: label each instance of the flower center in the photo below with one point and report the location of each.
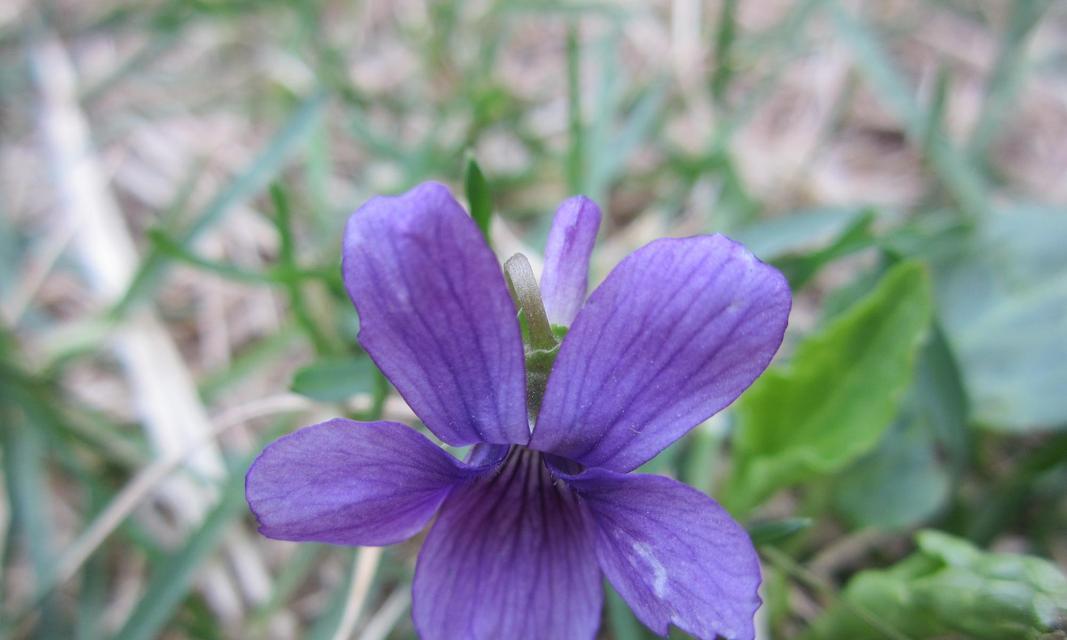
(529, 472)
(520, 456)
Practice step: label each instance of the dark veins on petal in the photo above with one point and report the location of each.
(511, 555)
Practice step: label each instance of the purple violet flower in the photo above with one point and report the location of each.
(544, 507)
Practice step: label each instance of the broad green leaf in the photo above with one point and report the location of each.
(950, 588)
(940, 401)
(1003, 301)
(903, 481)
(479, 198)
(899, 484)
(836, 397)
(335, 379)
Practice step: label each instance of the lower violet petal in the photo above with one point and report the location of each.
(510, 556)
(672, 553)
(351, 483)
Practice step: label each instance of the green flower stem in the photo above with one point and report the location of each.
(527, 296)
(541, 345)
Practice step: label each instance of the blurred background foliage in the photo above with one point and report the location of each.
(175, 175)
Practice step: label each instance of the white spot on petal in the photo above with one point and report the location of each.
(659, 572)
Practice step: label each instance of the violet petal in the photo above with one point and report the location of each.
(566, 274)
(672, 553)
(352, 483)
(674, 334)
(435, 315)
(510, 556)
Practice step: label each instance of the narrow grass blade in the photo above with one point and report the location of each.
(170, 583)
(269, 162)
(575, 127)
(479, 198)
(1008, 74)
(960, 178)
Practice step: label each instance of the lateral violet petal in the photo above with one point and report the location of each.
(436, 316)
(566, 274)
(672, 553)
(350, 483)
(673, 335)
(510, 556)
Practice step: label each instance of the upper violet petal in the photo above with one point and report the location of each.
(351, 483)
(566, 274)
(672, 553)
(673, 335)
(510, 556)
(436, 317)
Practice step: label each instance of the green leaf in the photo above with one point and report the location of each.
(941, 403)
(896, 486)
(479, 198)
(903, 481)
(335, 379)
(949, 588)
(1003, 301)
(773, 531)
(837, 396)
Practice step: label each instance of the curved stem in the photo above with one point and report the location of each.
(527, 297)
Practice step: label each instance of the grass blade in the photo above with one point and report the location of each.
(960, 178)
(479, 198)
(254, 178)
(1008, 74)
(576, 152)
(171, 582)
